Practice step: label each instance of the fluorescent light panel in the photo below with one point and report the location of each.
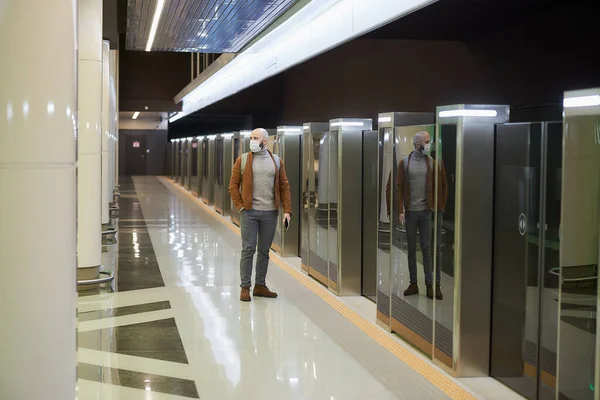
(227, 135)
(289, 130)
(157, 12)
(135, 115)
(211, 137)
(582, 101)
(467, 113)
(384, 119)
(348, 123)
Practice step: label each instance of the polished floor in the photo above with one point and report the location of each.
(173, 327)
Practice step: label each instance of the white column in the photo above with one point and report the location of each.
(117, 77)
(106, 194)
(90, 139)
(113, 119)
(38, 199)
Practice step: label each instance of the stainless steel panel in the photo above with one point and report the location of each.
(524, 325)
(218, 175)
(467, 151)
(318, 213)
(211, 170)
(226, 168)
(305, 200)
(345, 172)
(392, 146)
(578, 353)
(286, 144)
(208, 184)
(188, 165)
(194, 172)
(200, 168)
(369, 214)
(182, 143)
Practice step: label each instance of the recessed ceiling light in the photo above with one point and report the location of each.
(157, 13)
(582, 101)
(135, 115)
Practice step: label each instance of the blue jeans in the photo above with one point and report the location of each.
(258, 227)
(421, 221)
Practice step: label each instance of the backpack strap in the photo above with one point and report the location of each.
(245, 160)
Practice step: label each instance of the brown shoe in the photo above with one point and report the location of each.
(412, 290)
(245, 294)
(263, 291)
(438, 292)
(430, 292)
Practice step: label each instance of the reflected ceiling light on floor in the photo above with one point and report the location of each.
(347, 123)
(467, 113)
(582, 101)
(157, 13)
(135, 115)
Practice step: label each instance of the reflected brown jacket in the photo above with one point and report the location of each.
(402, 190)
(283, 197)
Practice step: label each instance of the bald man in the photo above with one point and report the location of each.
(264, 190)
(415, 196)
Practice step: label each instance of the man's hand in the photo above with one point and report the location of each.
(402, 218)
(287, 217)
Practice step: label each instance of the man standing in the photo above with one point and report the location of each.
(264, 189)
(415, 196)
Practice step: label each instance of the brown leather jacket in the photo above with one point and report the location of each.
(283, 197)
(402, 189)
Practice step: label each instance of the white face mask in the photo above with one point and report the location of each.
(255, 146)
(426, 148)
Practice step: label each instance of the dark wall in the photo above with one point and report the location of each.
(153, 147)
(365, 77)
(151, 79)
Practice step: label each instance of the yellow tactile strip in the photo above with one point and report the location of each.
(437, 377)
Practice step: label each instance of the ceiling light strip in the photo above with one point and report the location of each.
(135, 115)
(157, 13)
(582, 101)
(468, 113)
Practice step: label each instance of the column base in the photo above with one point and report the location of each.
(85, 274)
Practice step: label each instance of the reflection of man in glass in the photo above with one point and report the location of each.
(415, 196)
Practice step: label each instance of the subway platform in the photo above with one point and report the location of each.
(172, 327)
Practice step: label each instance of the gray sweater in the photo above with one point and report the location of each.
(263, 181)
(417, 175)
